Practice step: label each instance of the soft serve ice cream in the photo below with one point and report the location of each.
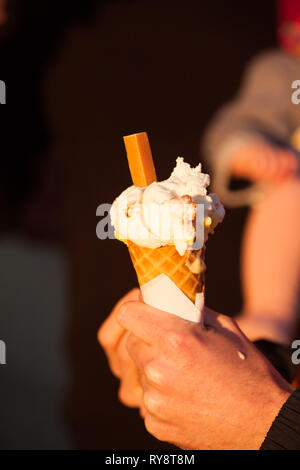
(176, 211)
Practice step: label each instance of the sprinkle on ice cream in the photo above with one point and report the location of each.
(175, 211)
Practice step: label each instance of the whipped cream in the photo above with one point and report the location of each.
(177, 211)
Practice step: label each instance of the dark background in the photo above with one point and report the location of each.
(79, 76)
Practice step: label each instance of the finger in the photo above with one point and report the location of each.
(146, 322)
(143, 411)
(130, 392)
(113, 363)
(289, 162)
(161, 430)
(116, 356)
(110, 333)
(129, 369)
(219, 321)
(129, 396)
(294, 163)
(281, 166)
(262, 162)
(162, 406)
(111, 330)
(140, 352)
(144, 382)
(269, 165)
(113, 356)
(256, 164)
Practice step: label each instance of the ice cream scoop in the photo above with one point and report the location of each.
(169, 212)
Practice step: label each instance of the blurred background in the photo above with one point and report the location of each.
(79, 75)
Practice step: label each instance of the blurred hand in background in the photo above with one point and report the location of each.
(262, 162)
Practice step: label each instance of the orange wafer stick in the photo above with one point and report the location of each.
(140, 159)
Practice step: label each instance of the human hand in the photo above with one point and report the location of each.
(204, 387)
(261, 162)
(113, 337)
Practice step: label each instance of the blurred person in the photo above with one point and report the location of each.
(256, 138)
(199, 387)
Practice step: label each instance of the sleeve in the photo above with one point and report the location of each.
(259, 112)
(284, 433)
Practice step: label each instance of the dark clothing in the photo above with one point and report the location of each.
(284, 433)
(280, 358)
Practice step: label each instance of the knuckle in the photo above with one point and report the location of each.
(123, 308)
(228, 321)
(132, 294)
(115, 370)
(122, 394)
(154, 427)
(142, 411)
(127, 397)
(152, 402)
(135, 292)
(153, 373)
(175, 340)
(104, 338)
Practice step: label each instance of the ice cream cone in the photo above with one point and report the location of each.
(186, 271)
(169, 217)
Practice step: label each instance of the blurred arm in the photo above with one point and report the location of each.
(252, 125)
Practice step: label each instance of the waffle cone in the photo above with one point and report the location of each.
(186, 271)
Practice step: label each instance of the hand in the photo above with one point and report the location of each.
(263, 162)
(113, 337)
(198, 391)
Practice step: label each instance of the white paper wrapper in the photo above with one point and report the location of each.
(162, 293)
